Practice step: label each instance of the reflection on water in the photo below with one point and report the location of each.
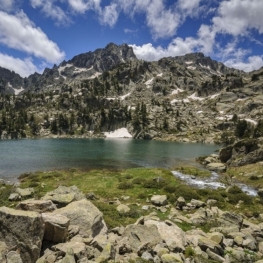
(21, 156)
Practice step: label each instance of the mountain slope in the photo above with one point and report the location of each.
(188, 97)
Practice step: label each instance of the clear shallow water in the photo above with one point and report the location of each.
(20, 156)
(212, 182)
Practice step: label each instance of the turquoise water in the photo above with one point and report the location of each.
(20, 156)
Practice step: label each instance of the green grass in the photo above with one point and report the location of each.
(139, 184)
(193, 171)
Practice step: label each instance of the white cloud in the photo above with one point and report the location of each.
(52, 11)
(236, 17)
(7, 5)
(177, 47)
(109, 15)
(22, 67)
(189, 7)
(252, 63)
(18, 32)
(81, 6)
(161, 21)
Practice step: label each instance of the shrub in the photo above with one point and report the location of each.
(189, 252)
(154, 184)
(128, 176)
(138, 180)
(142, 196)
(125, 185)
(235, 190)
(253, 177)
(188, 193)
(170, 189)
(234, 198)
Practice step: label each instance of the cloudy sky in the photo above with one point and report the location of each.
(35, 34)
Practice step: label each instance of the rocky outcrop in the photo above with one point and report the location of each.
(243, 152)
(84, 215)
(23, 230)
(64, 195)
(40, 206)
(76, 233)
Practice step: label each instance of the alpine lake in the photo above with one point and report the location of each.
(30, 155)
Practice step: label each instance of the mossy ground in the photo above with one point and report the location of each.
(139, 184)
(247, 174)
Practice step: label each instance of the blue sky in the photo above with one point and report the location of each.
(35, 34)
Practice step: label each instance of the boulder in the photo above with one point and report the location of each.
(76, 248)
(26, 192)
(229, 219)
(180, 203)
(56, 227)
(159, 200)
(218, 167)
(197, 203)
(63, 195)
(40, 206)
(171, 258)
(13, 257)
(123, 209)
(3, 250)
(84, 215)
(24, 230)
(171, 234)
(108, 253)
(214, 256)
(14, 197)
(206, 243)
(137, 236)
(69, 258)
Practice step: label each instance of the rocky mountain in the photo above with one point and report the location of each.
(186, 98)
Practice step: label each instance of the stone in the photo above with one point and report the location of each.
(145, 207)
(214, 256)
(72, 231)
(218, 167)
(171, 234)
(206, 243)
(69, 257)
(238, 240)
(107, 254)
(136, 236)
(91, 196)
(14, 197)
(180, 203)
(159, 200)
(250, 244)
(211, 202)
(26, 192)
(197, 203)
(217, 237)
(56, 227)
(76, 248)
(3, 250)
(171, 258)
(40, 206)
(84, 215)
(24, 230)
(13, 257)
(123, 209)
(229, 219)
(63, 195)
(147, 256)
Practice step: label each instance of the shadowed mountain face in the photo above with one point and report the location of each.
(186, 96)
